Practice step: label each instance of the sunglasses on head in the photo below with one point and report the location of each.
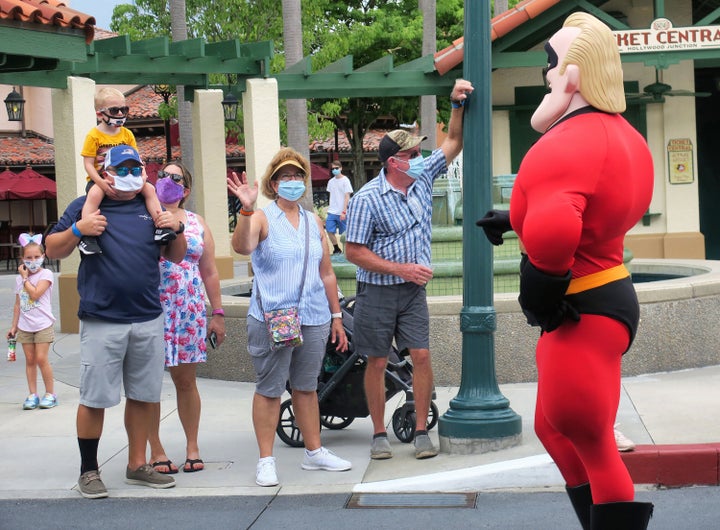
(123, 171)
(163, 174)
(114, 111)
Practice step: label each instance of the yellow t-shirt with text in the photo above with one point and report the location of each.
(97, 144)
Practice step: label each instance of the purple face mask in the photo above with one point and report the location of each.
(169, 191)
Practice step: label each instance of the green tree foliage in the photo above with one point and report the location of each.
(332, 29)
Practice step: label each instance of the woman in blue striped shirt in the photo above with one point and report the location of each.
(275, 238)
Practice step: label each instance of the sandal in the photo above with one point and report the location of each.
(165, 463)
(192, 462)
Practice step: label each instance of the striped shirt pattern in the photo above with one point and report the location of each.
(278, 262)
(395, 226)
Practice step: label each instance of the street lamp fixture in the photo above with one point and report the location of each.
(230, 106)
(15, 105)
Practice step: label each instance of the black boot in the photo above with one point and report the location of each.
(581, 500)
(621, 516)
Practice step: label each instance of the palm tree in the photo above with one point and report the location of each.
(428, 104)
(297, 126)
(178, 25)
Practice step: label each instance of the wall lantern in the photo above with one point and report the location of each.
(15, 105)
(230, 106)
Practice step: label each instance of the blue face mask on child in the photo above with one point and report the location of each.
(335, 171)
(291, 190)
(33, 265)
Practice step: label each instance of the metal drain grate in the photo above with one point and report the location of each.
(412, 500)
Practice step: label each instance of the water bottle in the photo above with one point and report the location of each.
(12, 343)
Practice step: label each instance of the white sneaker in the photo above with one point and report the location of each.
(623, 443)
(266, 475)
(326, 460)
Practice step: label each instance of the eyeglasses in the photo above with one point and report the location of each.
(122, 171)
(409, 156)
(291, 176)
(164, 174)
(114, 111)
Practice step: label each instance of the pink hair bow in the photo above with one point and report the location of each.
(25, 239)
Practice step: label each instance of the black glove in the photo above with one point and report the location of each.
(495, 224)
(542, 297)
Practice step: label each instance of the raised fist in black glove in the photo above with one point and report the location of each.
(542, 297)
(495, 223)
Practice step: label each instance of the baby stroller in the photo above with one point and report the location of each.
(341, 392)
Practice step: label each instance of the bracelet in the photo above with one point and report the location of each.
(246, 213)
(336, 315)
(75, 230)
(181, 229)
(457, 104)
(219, 311)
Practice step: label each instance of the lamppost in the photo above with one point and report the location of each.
(165, 91)
(230, 106)
(14, 103)
(479, 418)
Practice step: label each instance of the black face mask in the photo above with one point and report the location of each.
(552, 63)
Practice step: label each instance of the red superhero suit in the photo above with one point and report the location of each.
(580, 188)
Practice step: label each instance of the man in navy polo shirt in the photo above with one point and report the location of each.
(121, 319)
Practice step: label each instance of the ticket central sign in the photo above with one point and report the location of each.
(662, 36)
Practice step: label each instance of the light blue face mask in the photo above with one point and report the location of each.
(417, 166)
(335, 172)
(291, 190)
(33, 265)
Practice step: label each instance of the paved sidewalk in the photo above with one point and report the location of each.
(670, 416)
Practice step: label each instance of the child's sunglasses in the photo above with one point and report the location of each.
(123, 171)
(163, 174)
(114, 111)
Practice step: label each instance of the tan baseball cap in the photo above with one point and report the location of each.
(396, 141)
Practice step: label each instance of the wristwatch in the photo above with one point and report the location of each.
(181, 229)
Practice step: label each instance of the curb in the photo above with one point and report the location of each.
(675, 465)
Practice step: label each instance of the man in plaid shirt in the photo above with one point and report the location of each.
(388, 238)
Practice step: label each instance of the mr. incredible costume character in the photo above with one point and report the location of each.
(579, 189)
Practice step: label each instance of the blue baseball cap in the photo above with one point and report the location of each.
(121, 153)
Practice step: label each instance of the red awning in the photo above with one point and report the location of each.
(28, 185)
(319, 174)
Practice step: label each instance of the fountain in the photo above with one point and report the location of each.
(679, 301)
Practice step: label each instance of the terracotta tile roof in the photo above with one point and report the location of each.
(143, 103)
(370, 142)
(48, 13)
(16, 151)
(504, 23)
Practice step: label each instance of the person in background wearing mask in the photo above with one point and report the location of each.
(388, 238)
(291, 262)
(33, 320)
(111, 112)
(183, 287)
(121, 320)
(339, 188)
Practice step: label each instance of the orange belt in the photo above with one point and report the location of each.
(596, 279)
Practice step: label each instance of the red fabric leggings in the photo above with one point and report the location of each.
(577, 400)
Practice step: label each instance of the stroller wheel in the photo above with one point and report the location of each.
(404, 425)
(287, 429)
(433, 415)
(335, 422)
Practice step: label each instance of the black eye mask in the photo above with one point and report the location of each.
(552, 63)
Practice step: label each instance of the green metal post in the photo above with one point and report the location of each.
(479, 418)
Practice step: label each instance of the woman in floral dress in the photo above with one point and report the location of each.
(182, 292)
